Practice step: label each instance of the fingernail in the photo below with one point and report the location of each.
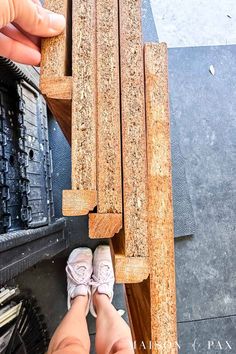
(57, 23)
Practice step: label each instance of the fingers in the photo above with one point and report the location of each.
(35, 39)
(36, 20)
(31, 17)
(18, 52)
(13, 33)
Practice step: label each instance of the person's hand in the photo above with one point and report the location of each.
(22, 24)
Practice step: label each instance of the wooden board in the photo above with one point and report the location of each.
(55, 51)
(127, 269)
(139, 311)
(133, 130)
(160, 208)
(78, 202)
(108, 109)
(55, 75)
(104, 225)
(83, 96)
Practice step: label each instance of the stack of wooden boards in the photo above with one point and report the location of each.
(110, 97)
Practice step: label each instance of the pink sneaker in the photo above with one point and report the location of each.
(103, 275)
(79, 270)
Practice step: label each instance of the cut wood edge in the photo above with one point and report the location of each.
(134, 158)
(78, 202)
(129, 269)
(84, 96)
(56, 51)
(160, 206)
(57, 87)
(104, 225)
(109, 174)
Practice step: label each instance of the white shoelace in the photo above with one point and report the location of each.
(104, 277)
(77, 276)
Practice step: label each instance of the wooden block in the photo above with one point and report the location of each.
(83, 96)
(55, 51)
(57, 87)
(133, 129)
(108, 109)
(128, 269)
(160, 209)
(104, 225)
(55, 76)
(78, 202)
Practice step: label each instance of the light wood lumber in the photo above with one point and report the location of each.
(108, 109)
(78, 202)
(55, 58)
(104, 225)
(133, 129)
(55, 79)
(160, 208)
(83, 96)
(57, 87)
(128, 269)
(139, 311)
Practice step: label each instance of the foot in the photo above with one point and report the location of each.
(79, 270)
(103, 275)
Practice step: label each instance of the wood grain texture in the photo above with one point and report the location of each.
(104, 225)
(128, 269)
(133, 129)
(78, 202)
(61, 109)
(108, 109)
(54, 50)
(83, 96)
(57, 87)
(139, 311)
(160, 208)
(55, 66)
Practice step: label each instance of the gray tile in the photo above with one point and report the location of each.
(204, 108)
(148, 24)
(189, 23)
(212, 336)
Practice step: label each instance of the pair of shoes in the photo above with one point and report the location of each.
(88, 273)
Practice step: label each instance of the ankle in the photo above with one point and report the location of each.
(100, 301)
(81, 302)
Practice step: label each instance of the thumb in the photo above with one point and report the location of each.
(34, 19)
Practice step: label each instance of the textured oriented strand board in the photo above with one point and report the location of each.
(160, 208)
(78, 202)
(104, 225)
(108, 109)
(54, 50)
(133, 129)
(83, 95)
(127, 269)
(55, 82)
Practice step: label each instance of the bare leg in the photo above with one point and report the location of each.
(112, 332)
(74, 326)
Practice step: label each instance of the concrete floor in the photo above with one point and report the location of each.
(203, 106)
(189, 23)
